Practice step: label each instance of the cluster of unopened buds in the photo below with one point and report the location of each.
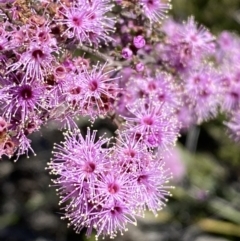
(61, 60)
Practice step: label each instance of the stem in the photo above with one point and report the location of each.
(6, 13)
(192, 139)
(105, 57)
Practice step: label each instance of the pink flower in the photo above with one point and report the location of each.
(155, 10)
(155, 123)
(35, 61)
(87, 21)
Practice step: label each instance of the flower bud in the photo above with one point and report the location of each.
(139, 67)
(139, 41)
(127, 53)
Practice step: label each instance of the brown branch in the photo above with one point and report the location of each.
(6, 13)
(119, 64)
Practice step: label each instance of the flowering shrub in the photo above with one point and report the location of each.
(61, 60)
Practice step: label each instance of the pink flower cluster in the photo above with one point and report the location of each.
(61, 60)
(228, 58)
(106, 188)
(40, 79)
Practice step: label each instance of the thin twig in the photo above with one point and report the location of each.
(119, 64)
(6, 13)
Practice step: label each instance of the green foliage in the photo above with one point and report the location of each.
(217, 15)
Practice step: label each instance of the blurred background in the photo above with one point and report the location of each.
(206, 164)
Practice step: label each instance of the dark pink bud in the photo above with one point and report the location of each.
(60, 71)
(8, 148)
